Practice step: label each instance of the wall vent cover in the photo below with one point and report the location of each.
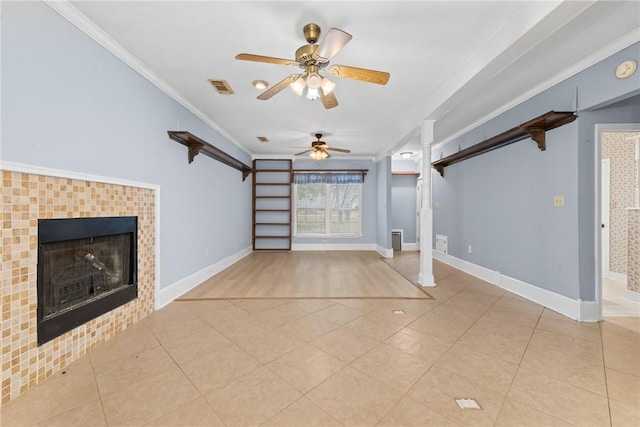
(221, 86)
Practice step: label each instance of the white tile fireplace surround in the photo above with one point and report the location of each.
(26, 198)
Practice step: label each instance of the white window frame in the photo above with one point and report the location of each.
(327, 217)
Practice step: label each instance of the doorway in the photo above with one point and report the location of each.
(619, 186)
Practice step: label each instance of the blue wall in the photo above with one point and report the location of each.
(500, 203)
(69, 104)
(383, 207)
(403, 205)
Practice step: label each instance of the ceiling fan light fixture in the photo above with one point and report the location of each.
(298, 85)
(314, 81)
(318, 155)
(312, 94)
(327, 85)
(406, 154)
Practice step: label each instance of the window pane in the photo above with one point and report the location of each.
(310, 212)
(345, 209)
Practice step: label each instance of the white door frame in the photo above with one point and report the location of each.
(605, 210)
(599, 129)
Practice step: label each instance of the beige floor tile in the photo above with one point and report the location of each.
(409, 413)
(89, 415)
(354, 398)
(412, 308)
(196, 344)
(345, 344)
(374, 327)
(490, 372)
(120, 373)
(172, 329)
(339, 313)
(555, 322)
(309, 327)
(439, 389)
(623, 387)
(252, 399)
(218, 369)
(493, 345)
(622, 355)
(149, 399)
(630, 324)
(363, 305)
(192, 414)
(392, 367)
(561, 357)
(514, 413)
(569, 403)
(255, 305)
(624, 415)
(280, 315)
(511, 315)
(422, 346)
(70, 388)
(444, 325)
(311, 305)
(270, 345)
(223, 314)
(302, 412)
(132, 340)
(510, 330)
(305, 367)
(242, 328)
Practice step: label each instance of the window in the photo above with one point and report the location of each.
(328, 204)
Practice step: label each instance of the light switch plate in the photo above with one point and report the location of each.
(558, 201)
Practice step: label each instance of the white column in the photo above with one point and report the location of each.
(425, 278)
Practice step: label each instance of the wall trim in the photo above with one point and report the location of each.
(384, 252)
(632, 296)
(179, 288)
(618, 277)
(409, 246)
(333, 247)
(583, 311)
(90, 28)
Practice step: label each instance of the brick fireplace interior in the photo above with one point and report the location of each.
(26, 199)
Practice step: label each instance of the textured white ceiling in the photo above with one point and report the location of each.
(452, 61)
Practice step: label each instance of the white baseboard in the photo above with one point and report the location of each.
(384, 252)
(179, 288)
(409, 246)
(618, 277)
(632, 296)
(333, 247)
(583, 311)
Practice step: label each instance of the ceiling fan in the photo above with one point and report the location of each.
(312, 59)
(318, 150)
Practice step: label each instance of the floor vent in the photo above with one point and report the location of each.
(399, 312)
(221, 86)
(467, 403)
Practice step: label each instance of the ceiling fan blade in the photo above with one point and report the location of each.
(332, 43)
(329, 100)
(303, 152)
(328, 155)
(267, 59)
(281, 85)
(362, 74)
(341, 150)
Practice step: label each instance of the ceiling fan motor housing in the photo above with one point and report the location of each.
(311, 33)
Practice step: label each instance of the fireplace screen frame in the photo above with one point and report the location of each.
(68, 229)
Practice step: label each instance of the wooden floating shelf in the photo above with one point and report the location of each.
(197, 146)
(534, 129)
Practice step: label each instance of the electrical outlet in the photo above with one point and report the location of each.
(558, 201)
(469, 249)
(437, 205)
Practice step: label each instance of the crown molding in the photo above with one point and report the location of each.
(612, 48)
(90, 28)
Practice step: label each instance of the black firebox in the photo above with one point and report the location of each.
(86, 268)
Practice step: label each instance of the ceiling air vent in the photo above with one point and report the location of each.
(221, 86)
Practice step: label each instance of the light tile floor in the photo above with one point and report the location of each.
(320, 362)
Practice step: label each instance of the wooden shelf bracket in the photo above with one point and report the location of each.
(196, 146)
(535, 129)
